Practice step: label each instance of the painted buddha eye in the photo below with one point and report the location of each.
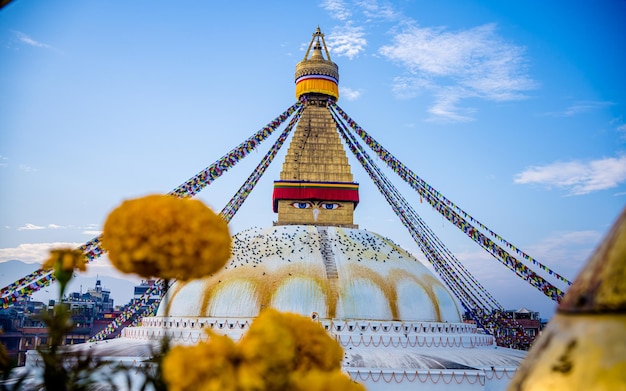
(329, 205)
(302, 205)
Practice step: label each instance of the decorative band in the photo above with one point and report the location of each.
(307, 77)
(326, 191)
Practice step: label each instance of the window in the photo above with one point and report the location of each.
(530, 332)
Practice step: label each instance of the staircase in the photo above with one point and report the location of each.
(327, 254)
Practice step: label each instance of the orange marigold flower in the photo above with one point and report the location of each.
(168, 237)
(66, 259)
(207, 366)
(315, 349)
(280, 351)
(279, 343)
(323, 381)
(269, 350)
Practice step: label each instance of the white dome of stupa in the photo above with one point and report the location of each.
(334, 272)
(399, 326)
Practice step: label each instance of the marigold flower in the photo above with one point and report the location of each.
(165, 236)
(269, 350)
(279, 343)
(64, 261)
(304, 344)
(323, 381)
(250, 378)
(315, 349)
(207, 366)
(280, 351)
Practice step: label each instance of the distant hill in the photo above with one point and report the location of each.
(12, 270)
(121, 290)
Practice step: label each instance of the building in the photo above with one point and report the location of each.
(400, 326)
(23, 328)
(529, 321)
(144, 287)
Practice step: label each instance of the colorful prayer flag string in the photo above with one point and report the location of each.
(244, 191)
(422, 187)
(196, 183)
(157, 289)
(489, 314)
(227, 213)
(40, 278)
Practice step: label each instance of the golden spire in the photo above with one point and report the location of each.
(316, 74)
(316, 185)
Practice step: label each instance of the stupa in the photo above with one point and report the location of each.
(400, 327)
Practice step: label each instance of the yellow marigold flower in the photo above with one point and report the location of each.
(315, 349)
(64, 261)
(165, 236)
(323, 381)
(250, 377)
(280, 351)
(207, 366)
(269, 350)
(278, 343)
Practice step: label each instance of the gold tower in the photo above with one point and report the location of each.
(316, 185)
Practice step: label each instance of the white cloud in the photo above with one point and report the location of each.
(37, 253)
(3, 161)
(577, 177)
(32, 252)
(410, 87)
(567, 249)
(473, 63)
(30, 41)
(349, 94)
(92, 232)
(30, 227)
(563, 252)
(347, 41)
(621, 130)
(446, 105)
(372, 9)
(337, 9)
(579, 108)
(26, 168)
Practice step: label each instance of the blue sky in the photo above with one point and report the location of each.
(513, 110)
